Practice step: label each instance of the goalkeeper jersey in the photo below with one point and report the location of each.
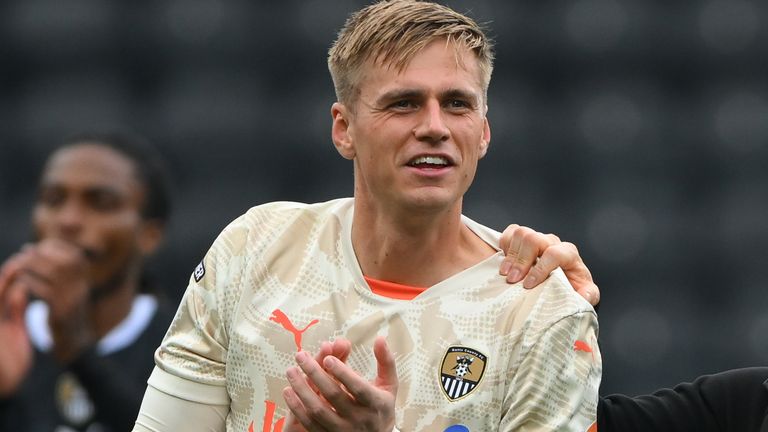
(472, 352)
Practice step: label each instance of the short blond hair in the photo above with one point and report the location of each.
(392, 32)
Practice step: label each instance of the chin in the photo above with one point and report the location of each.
(432, 201)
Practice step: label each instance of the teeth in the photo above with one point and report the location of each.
(431, 160)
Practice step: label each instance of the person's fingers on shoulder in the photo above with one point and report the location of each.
(530, 245)
(574, 267)
(505, 243)
(555, 255)
(591, 293)
(566, 256)
(507, 235)
(511, 248)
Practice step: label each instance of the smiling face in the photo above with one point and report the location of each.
(416, 134)
(90, 197)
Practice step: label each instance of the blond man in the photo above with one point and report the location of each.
(397, 267)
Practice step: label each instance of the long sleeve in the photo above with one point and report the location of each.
(735, 400)
(556, 384)
(160, 412)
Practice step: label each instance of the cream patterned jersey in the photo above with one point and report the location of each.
(472, 352)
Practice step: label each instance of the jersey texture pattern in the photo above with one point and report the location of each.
(470, 350)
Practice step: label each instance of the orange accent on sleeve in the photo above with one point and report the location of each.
(393, 290)
(593, 428)
(582, 346)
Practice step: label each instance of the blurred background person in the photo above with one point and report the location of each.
(77, 356)
(650, 120)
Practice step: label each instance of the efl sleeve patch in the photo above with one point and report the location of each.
(199, 272)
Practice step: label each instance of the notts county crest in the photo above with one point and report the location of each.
(461, 371)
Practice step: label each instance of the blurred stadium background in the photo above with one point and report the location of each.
(636, 129)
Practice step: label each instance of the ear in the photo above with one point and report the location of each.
(486, 140)
(340, 131)
(150, 236)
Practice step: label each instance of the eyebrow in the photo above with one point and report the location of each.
(98, 190)
(398, 94)
(452, 93)
(89, 190)
(456, 93)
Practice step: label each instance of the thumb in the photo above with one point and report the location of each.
(386, 373)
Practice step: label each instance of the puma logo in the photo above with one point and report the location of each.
(580, 345)
(281, 318)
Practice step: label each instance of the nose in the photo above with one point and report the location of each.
(68, 220)
(431, 126)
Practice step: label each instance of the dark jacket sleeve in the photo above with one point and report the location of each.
(736, 400)
(9, 421)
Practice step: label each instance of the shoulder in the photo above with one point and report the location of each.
(552, 301)
(263, 224)
(268, 232)
(274, 215)
(558, 298)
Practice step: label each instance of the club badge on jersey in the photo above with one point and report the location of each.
(72, 401)
(461, 371)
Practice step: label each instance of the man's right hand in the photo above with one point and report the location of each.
(331, 396)
(16, 352)
(56, 272)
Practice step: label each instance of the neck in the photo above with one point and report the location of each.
(414, 248)
(110, 308)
